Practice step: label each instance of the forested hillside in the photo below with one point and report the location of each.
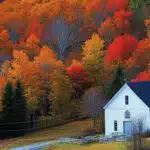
(60, 48)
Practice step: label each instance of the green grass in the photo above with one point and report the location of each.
(70, 129)
(97, 146)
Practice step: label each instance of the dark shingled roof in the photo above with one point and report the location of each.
(142, 89)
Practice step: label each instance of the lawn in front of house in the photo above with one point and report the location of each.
(95, 146)
(71, 129)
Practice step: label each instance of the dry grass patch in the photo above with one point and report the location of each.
(70, 129)
(97, 146)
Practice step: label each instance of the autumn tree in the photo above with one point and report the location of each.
(5, 68)
(34, 27)
(142, 76)
(32, 46)
(61, 91)
(28, 73)
(47, 60)
(46, 10)
(115, 5)
(140, 58)
(122, 20)
(104, 8)
(37, 72)
(142, 53)
(93, 58)
(78, 76)
(107, 30)
(6, 44)
(45, 64)
(121, 48)
(33, 98)
(119, 23)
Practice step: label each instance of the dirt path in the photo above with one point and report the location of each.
(36, 146)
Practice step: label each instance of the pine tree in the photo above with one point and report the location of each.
(19, 108)
(7, 102)
(20, 102)
(7, 105)
(117, 83)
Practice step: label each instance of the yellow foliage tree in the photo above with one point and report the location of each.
(93, 57)
(33, 97)
(47, 60)
(61, 91)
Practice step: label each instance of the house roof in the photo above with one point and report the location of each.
(142, 90)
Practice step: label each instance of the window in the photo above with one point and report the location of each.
(127, 100)
(127, 114)
(115, 125)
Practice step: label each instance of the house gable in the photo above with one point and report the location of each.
(118, 100)
(114, 97)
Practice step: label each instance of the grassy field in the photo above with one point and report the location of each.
(112, 146)
(71, 129)
(95, 146)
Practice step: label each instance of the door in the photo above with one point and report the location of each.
(127, 127)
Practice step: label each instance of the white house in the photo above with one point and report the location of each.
(130, 103)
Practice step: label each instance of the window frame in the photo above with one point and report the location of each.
(126, 100)
(127, 114)
(115, 125)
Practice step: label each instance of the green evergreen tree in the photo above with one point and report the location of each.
(117, 83)
(20, 103)
(7, 102)
(20, 107)
(7, 106)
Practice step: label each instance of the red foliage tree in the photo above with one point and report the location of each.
(141, 56)
(116, 5)
(78, 75)
(34, 27)
(122, 20)
(121, 48)
(142, 76)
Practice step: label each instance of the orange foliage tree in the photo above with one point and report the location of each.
(122, 19)
(120, 23)
(113, 5)
(47, 60)
(141, 56)
(5, 43)
(32, 45)
(108, 30)
(30, 75)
